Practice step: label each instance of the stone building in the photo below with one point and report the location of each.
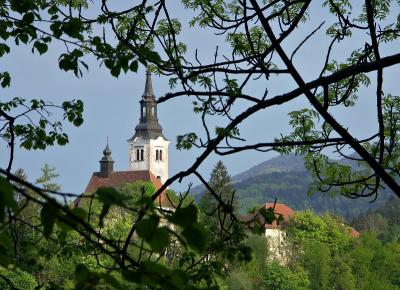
(274, 233)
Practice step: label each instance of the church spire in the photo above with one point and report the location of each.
(148, 127)
(106, 162)
(148, 89)
(148, 148)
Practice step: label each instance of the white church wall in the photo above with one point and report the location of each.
(277, 244)
(159, 167)
(150, 162)
(134, 163)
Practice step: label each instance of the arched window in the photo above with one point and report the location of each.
(144, 111)
(152, 111)
(142, 154)
(160, 155)
(156, 154)
(137, 155)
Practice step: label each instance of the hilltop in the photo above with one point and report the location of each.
(285, 178)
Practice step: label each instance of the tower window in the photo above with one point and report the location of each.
(144, 111)
(139, 154)
(156, 154)
(160, 154)
(152, 111)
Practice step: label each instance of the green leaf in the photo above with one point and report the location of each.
(184, 216)
(6, 194)
(4, 48)
(48, 217)
(147, 226)
(109, 63)
(82, 276)
(111, 280)
(110, 195)
(5, 79)
(6, 198)
(80, 212)
(196, 237)
(153, 56)
(24, 37)
(104, 211)
(268, 214)
(28, 18)
(134, 66)
(159, 239)
(5, 248)
(115, 71)
(41, 47)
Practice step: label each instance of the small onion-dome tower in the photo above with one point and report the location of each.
(106, 162)
(148, 148)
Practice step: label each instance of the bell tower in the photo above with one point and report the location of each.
(148, 148)
(106, 163)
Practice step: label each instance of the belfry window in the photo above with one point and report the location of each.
(160, 155)
(139, 154)
(156, 154)
(144, 112)
(152, 111)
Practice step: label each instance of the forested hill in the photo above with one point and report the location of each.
(285, 178)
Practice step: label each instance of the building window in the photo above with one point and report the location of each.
(152, 111)
(144, 112)
(160, 154)
(139, 154)
(156, 154)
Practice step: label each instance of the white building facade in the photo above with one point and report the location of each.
(276, 235)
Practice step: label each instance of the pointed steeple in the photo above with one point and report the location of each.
(148, 127)
(148, 89)
(106, 162)
(107, 153)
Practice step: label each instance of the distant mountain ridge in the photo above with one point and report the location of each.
(290, 162)
(285, 178)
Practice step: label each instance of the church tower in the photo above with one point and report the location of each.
(106, 163)
(148, 148)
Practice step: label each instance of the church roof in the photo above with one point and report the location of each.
(280, 209)
(119, 178)
(353, 232)
(116, 179)
(147, 130)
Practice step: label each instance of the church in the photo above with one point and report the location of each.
(148, 151)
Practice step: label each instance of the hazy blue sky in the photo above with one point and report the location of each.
(111, 106)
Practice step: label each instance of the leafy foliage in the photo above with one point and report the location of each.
(122, 240)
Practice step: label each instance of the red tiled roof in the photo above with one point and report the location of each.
(353, 233)
(280, 209)
(118, 178)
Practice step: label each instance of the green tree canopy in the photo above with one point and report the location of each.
(47, 178)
